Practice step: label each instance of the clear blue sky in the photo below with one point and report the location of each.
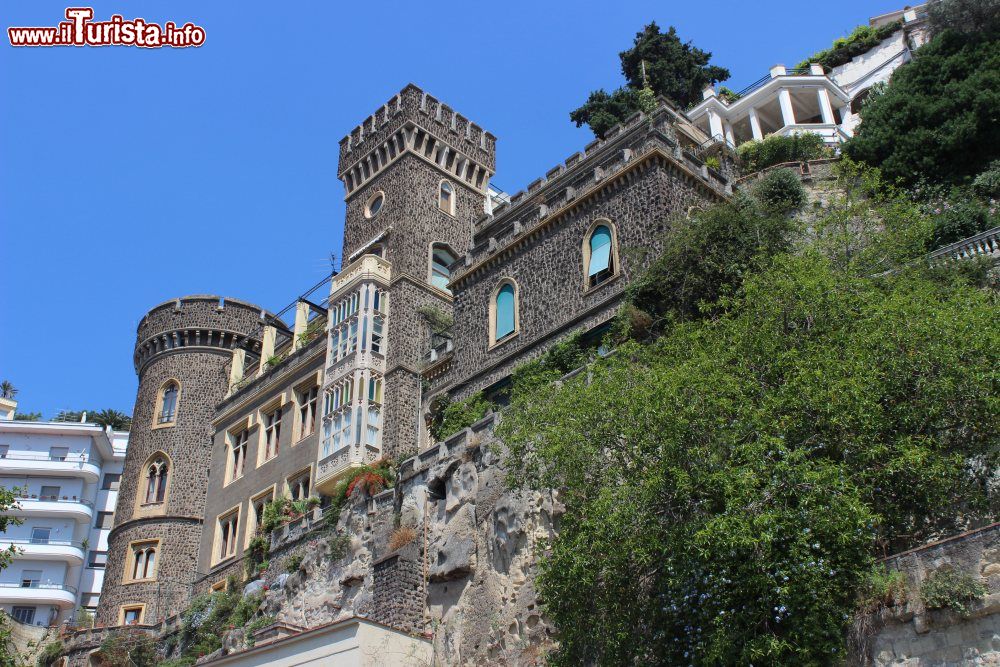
(131, 176)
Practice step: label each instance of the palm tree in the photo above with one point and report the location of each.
(7, 390)
(118, 421)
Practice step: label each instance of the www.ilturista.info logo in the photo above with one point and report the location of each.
(79, 30)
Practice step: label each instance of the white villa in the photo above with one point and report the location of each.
(789, 101)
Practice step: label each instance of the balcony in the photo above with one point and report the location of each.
(60, 595)
(69, 507)
(49, 550)
(72, 465)
(366, 267)
(332, 468)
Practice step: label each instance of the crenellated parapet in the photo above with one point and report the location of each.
(664, 136)
(417, 123)
(200, 322)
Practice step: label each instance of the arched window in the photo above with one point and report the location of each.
(166, 405)
(142, 560)
(599, 254)
(446, 198)
(503, 312)
(441, 259)
(157, 474)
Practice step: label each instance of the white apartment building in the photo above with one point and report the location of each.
(789, 101)
(66, 476)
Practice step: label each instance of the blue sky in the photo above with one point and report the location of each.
(130, 176)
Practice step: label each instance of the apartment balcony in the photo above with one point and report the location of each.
(60, 595)
(68, 507)
(48, 550)
(784, 102)
(17, 464)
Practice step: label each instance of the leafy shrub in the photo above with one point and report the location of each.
(780, 191)
(960, 218)
(450, 417)
(947, 588)
(861, 40)
(127, 649)
(293, 563)
(371, 479)
(936, 119)
(565, 356)
(401, 537)
(49, 654)
(702, 259)
(987, 184)
(964, 16)
(776, 149)
(882, 588)
(274, 514)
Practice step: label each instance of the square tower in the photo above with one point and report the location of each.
(416, 175)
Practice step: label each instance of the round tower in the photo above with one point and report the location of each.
(183, 356)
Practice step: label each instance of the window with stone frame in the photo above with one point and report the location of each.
(503, 312)
(272, 433)
(132, 614)
(142, 560)
(257, 505)
(228, 527)
(299, 485)
(446, 197)
(166, 408)
(441, 260)
(238, 445)
(157, 473)
(307, 400)
(599, 255)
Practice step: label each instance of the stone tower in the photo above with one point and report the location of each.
(416, 176)
(183, 355)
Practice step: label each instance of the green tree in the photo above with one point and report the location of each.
(73, 415)
(118, 421)
(658, 63)
(729, 485)
(27, 416)
(966, 16)
(8, 390)
(937, 120)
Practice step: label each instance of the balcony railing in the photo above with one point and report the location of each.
(42, 541)
(63, 458)
(981, 245)
(39, 585)
(761, 82)
(55, 499)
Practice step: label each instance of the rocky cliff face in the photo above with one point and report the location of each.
(466, 575)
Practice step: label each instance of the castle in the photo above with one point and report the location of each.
(236, 408)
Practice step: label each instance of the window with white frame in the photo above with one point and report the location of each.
(378, 328)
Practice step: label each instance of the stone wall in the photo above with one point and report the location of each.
(475, 594)
(911, 634)
(185, 340)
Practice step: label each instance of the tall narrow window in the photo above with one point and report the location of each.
(505, 312)
(167, 407)
(441, 259)
(272, 432)
(599, 255)
(307, 411)
(142, 560)
(228, 525)
(157, 472)
(377, 334)
(446, 198)
(238, 453)
(298, 486)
